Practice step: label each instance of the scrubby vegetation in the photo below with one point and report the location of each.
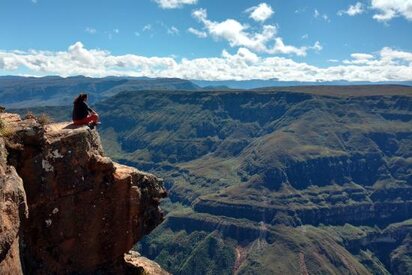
(44, 119)
(2, 126)
(192, 253)
(5, 130)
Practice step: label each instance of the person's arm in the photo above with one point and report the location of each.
(89, 109)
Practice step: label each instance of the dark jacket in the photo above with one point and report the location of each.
(80, 110)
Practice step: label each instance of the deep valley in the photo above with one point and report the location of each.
(289, 180)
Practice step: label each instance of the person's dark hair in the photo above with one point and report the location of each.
(80, 97)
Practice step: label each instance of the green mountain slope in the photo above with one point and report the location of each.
(271, 182)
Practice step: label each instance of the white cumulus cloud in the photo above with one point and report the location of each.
(238, 35)
(389, 9)
(391, 54)
(361, 56)
(173, 30)
(261, 12)
(386, 65)
(353, 10)
(196, 32)
(173, 4)
(318, 15)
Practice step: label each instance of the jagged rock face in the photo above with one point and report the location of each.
(12, 208)
(147, 266)
(85, 211)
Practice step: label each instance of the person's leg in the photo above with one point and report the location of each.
(92, 119)
(80, 122)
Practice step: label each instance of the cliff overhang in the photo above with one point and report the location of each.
(66, 207)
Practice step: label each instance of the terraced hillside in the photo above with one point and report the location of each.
(286, 181)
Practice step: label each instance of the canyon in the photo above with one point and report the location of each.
(282, 180)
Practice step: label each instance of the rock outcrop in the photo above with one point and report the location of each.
(13, 209)
(84, 211)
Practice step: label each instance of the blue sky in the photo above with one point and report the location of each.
(208, 39)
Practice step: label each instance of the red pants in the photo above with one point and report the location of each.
(92, 118)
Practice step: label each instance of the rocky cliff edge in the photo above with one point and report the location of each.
(65, 207)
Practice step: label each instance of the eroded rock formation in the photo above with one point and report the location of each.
(13, 208)
(84, 211)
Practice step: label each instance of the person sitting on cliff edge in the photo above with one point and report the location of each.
(82, 113)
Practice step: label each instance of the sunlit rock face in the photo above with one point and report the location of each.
(85, 211)
(13, 208)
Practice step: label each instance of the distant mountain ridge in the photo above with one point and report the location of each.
(258, 83)
(25, 92)
(21, 92)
